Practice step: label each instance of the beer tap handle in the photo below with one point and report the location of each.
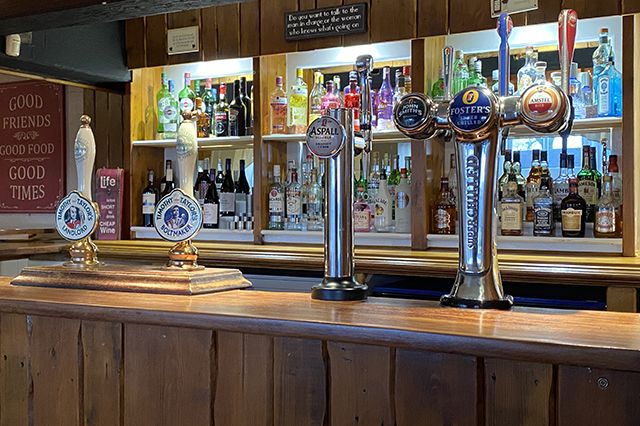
(567, 26)
(187, 152)
(447, 68)
(85, 154)
(364, 66)
(505, 25)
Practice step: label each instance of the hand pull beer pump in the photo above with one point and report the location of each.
(478, 118)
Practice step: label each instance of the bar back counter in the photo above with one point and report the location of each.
(243, 357)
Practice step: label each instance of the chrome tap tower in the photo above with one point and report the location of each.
(477, 118)
(333, 138)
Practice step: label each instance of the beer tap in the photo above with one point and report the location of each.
(478, 118)
(567, 27)
(364, 67)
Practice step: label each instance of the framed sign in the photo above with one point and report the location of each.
(32, 147)
(511, 6)
(328, 21)
(109, 190)
(183, 40)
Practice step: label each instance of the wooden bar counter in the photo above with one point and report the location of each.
(249, 358)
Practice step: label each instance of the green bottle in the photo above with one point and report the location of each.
(476, 78)
(187, 96)
(587, 187)
(460, 73)
(167, 111)
(437, 92)
(594, 168)
(392, 182)
(362, 190)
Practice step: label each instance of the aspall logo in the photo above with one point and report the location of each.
(178, 216)
(325, 137)
(76, 217)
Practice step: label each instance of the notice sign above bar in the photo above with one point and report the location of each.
(328, 21)
(511, 6)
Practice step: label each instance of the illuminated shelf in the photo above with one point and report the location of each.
(386, 135)
(589, 125)
(229, 235)
(317, 237)
(226, 142)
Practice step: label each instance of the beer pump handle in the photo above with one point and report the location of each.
(505, 25)
(85, 154)
(187, 153)
(447, 68)
(567, 26)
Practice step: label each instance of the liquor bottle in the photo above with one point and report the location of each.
(199, 169)
(453, 180)
(397, 82)
(403, 205)
(587, 94)
(278, 111)
(374, 106)
(596, 174)
(374, 176)
(352, 100)
(150, 196)
(608, 220)
(361, 209)
(575, 91)
(382, 219)
(211, 207)
(393, 181)
(543, 224)
(361, 189)
(167, 111)
(601, 55)
(196, 87)
(248, 107)
(476, 78)
(444, 212)
(315, 197)
(276, 201)
(386, 166)
(437, 91)
(329, 100)
(511, 208)
(172, 88)
(385, 102)
(187, 96)
(506, 171)
(337, 90)
(406, 71)
(219, 176)
(460, 73)
(222, 113)
(587, 186)
(407, 165)
(616, 179)
(298, 104)
(541, 69)
(533, 183)
(237, 125)
(495, 83)
(204, 122)
(208, 100)
(243, 192)
(527, 74)
(227, 192)
(560, 188)
(608, 86)
(574, 212)
(544, 169)
(400, 92)
(163, 181)
(570, 166)
(315, 98)
(203, 182)
(294, 203)
(517, 170)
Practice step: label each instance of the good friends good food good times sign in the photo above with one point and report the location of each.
(31, 147)
(329, 21)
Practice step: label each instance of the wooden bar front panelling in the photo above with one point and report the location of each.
(15, 379)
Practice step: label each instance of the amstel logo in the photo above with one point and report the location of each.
(471, 97)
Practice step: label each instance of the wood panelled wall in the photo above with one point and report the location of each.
(257, 28)
(70, 372)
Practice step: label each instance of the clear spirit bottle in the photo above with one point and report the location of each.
(276, 201)
(541, 69)
(511, 208)
(337, 89)
(608, 220)
(608, 86)
(385, 102)
(294, 203)
(453, 179)
(575, 91)
(495, 83)
(403, 205)
(560, 188)
(400, 92)
(315, 197)
(315, 97)
(278, 109)
(298, 104)
(527, 74)
(603, 51)
(374, 177)
(383, 220)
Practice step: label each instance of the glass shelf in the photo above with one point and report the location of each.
(589, 125)
(317, 237)
(227, 142)
(226, 235)
(382, 136)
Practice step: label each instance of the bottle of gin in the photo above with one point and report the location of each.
(437, 91)
(403, 204)
(278, 110)
(602, 53)
(361, 214)
(315, 97)
(385, 102)
(460, 73)
(382, 220)
(400, 92)
(527, 74)
(444, 212)
(167, 111)
(352, 100)
(276, 201)
(495, 83)
(608, 86)
(575, 91)
(543, 224)
(374, 177)
(294, 203)
(608, 220)
(315, 196)
(574, 212)
(476, 78)
(337, 89)
(298, 104)
(511, 208)
(330, 99)
(560, 188)
(541, 69)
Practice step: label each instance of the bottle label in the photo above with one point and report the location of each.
(605, 221)
(403, 200)
(227, 202)
(163, 103)
(276, 201)
(294, 204)
(617, 195)
(241, 203)
(222, 123)
(542, 217)
(511, 216)
(443, 219)
(560, 192)
(571, 219)
(362, 221)
(148, 203)
(588, 190)
(298, 103)
(170, 113)
(532, 192)
(202, 192)
(186, 104)
(604, 104)
(211, 214)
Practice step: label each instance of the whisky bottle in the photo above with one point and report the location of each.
(543, 224)
(517, 170)
(574, 212)
(608, 220)
(533, 183)
(511, 208)
(587, 186)
(506, 171)
(444, 213)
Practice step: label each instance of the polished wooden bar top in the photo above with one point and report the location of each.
(585, 338)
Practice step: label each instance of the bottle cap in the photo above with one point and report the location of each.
(495, 74)
(536, 154)
(563, 161)
(207, 83)
(459, 54)
(276, 170)
(187, 74)
(613, 158)
(574, 70)
(541, 64)
(403, 172)
(516, 156)
(401, 81)
(507, 155)
(478, 66)
(406, 70)
(223, 89)
(606, 178)
(299, 72)
(543, 156)
(603, 30)
(570, 161)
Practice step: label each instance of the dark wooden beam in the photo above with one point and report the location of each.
(84, 12)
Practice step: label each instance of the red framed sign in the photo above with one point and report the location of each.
(32, 147)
